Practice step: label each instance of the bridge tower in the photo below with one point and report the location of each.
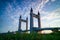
(31, 20)
(21, 20)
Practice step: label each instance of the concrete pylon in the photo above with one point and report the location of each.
(31, 20)
(19, 28)
(26, 24)
(39, 21)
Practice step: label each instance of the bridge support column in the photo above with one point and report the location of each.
(31, 20)
(26, 24)
(39, 23)
(19, 28)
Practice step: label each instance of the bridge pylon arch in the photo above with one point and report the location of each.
(31, 20)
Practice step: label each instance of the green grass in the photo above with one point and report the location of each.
(32, 36)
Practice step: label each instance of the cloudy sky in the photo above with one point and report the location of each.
(10, 10)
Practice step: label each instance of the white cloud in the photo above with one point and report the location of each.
(39, 5)
(52, 15)
(52, 18)
(53, 0)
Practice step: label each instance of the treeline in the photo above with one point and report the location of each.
(31, 36)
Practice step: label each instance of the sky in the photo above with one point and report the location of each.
(10, 10)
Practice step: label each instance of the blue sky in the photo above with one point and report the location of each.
(10, 10)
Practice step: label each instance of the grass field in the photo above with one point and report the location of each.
(32, 36)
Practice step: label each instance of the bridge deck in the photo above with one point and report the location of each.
(39, 29)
